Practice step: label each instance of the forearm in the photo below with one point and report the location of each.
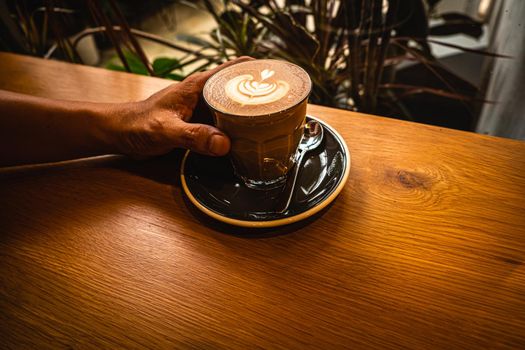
(36, 130)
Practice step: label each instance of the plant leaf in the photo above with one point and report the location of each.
(189, 4)
(413, 89)
(135, 64)
(164, 65)
(456, 16)
(258, 3)
(282, 24)
(295, 35)
(192, 39)
(459, 47)
(413, 19)
(457, 23)
(473, 30)
(432, 4)
(116, 67)
(174, 76)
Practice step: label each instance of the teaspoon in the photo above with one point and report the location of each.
(312, 138)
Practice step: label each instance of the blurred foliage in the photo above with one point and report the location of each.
(351, 49)
(53, 29)
(163, 67)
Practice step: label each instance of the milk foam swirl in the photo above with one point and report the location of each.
(244, 89)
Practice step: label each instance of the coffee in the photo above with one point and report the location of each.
(261, 106)
(257, 88)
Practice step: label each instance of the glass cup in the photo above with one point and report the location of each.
(263, 147)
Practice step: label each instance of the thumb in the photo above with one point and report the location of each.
(200, 138)
(197, 80)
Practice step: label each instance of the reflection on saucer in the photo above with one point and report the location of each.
(212, 187)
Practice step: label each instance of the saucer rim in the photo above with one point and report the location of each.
(277, 222)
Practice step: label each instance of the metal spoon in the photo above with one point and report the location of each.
(312, 138)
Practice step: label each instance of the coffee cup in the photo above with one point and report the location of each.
(261, 106)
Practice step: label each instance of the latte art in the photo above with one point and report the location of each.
(244, 89)
(257, 88)
(250, 87)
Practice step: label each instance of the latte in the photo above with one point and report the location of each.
(261, 106)
(259, 87)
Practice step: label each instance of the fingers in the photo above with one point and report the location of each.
(197, 80)
(184, 96)
(180, 100)
(200, 138)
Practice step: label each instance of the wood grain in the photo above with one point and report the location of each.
(423, 249)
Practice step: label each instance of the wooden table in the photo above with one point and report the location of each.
(423, 249)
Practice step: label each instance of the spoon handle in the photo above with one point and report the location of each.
(291, 182)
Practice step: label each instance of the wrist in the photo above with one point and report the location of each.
(113, 123)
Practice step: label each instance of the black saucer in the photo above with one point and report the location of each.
(212, 187)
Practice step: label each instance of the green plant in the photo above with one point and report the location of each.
(53, 28)
(352, 49)
(163, 67)
(31, 27)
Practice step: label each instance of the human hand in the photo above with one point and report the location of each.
(161, 123)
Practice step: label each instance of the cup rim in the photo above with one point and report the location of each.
(259, 115)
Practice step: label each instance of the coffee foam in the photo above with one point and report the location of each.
(258, 87)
